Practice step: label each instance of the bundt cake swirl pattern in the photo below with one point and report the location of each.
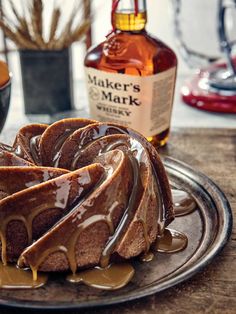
(79, 193)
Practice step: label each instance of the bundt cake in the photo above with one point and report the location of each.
(79, 193)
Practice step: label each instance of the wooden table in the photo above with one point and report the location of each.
(212, 151)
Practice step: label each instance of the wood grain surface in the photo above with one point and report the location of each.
(213, 152)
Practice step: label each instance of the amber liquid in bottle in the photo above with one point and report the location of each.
(130, 50)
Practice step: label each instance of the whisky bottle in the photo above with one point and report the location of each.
(131, 75)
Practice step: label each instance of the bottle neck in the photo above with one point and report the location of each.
(129, 15)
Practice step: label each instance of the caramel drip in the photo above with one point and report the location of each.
(161, 218)
(4, 247)
(14, 150)
(72, 243)
(113, 277)
(67, 243)
(94, 133)
(70, 247)
(35, 265)
(146, 257)
(34, 149)
(18, 151)
(25, 216)
(136, 149)
(58, 200)
(127, 216)
(137, 187)
(184, 204)
(115, 145)
(59, 144)
(172, 241)
(12, 277)
(60, 191)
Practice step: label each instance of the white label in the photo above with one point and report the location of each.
(141, 103)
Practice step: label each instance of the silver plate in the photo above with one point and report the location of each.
(208, 229)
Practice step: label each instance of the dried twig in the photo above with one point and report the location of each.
(54, 24)
(15, 36)
(26, 31)
(36, 22)
(23, 25)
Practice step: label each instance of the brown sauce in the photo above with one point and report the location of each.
(146, 257)
(34, 149)
(127, 216)
(113, 277)
(12, 277)
(184, 204)
(172, 241)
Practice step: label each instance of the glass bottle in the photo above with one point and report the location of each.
(131, 75)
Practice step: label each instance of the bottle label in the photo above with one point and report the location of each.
(141, 103)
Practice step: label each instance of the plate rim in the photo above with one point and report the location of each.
(186, 170)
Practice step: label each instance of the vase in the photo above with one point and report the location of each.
(47, 81)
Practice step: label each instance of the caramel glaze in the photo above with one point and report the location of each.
(78, 141)
(86, 137)
(113, 277)
(146, 257)
(114, 148)
(26, 142)
(59, 193)
(14, 179)
(12, 277)
(183, 203)
(8, 159)
(172, 241)
(64, 234)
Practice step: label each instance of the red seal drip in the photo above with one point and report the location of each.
(136, 7)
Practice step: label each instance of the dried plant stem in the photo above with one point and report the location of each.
(17, 37)
(87, 16)
(23, 26)
(38, 12)
(36, 22)
(26, 30)
(54, 24)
